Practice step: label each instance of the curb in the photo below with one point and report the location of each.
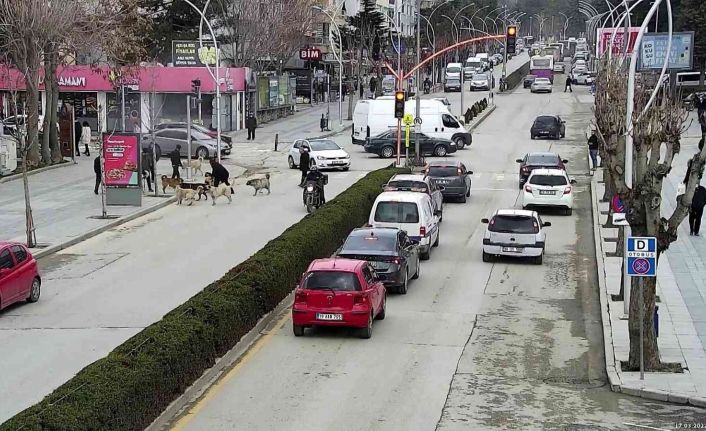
(485, 114)
(14, 177)
(333, 133)
(223, 364)
(97, 231)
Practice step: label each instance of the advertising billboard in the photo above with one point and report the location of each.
(653, 50)
(189, 53)
(605, 34)
(121, 158)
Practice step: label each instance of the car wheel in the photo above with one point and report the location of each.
(298, 330)
(568, 211)
(387, 152)
(346, 168)
(563, 135)
(468, 193)
(460, 143)
(440, 151)
(290, 161)
(416, 274)
(35, 290)
(438, 236)
(538, 259)
(202, 152)
(402, 290)
(463, 198)
(367, 332)
(487, 257)
(425, 256)
(532, 137)
(381, 314)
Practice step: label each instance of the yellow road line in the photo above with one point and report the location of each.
(216, 388)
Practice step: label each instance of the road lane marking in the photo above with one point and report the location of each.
(212, 391)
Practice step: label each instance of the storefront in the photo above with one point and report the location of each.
(94, 93)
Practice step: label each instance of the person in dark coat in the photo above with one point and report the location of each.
(688, 164)
(219, 173)
(697, 209)
(77, 136)
(148, 167)
(568, 84)
(251, 125)
(322, 123)
(97, 170)
(304, 160)
(175, 158)
(593, 149)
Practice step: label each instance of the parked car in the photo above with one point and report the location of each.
(19, 275)
(537, 160)
(385, 145)
(452, 84)
(550, 126)
(579, 68)
(197, 127)
(585, 78)
(549, 188)
(11, 123)
(418, 183)
(541, 85)
(390, 251)
(324, 153)
(166, 141)
(339, 292)
(480, 81)
(559, 68)
(527, 82)
(453, 177)
(514, 233)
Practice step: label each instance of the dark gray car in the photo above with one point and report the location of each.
(202, 145)
(453, 177)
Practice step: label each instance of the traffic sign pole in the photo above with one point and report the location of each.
(642, 317)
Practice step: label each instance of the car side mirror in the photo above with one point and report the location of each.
(546, 224)
(564, 161)
(469, 172)
(484, 220)
(572, 180)
(518, 160)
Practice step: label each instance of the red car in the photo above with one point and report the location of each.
(339, 292)
(19, 276)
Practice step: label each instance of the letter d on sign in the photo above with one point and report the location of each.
(640, 244)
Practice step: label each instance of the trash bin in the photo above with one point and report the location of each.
(655, 319)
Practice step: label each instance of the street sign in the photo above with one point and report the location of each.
(418, 120)
(653, 49)
(620, 220)
(642, 256)
(406, 135)
(191, 53)
(617, 204)
(408, 119)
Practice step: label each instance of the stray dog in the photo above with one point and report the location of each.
(170, 182)
(223, 189)
(260, 184)
(195, 164)
(187, 195)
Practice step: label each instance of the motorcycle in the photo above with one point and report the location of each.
(312, 194)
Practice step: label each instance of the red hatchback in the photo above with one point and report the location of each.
(339, 292)
(19, 276)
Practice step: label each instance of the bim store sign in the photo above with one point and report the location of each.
(190, 53)
(604, 38)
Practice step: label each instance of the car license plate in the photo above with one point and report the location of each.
(338, 162)
(329, 316)
(512, 249)
(546, 192)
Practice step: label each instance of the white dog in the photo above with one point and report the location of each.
(187, 195)
(195, 164)
(223, 189)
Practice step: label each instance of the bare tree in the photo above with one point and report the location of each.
(656, 133)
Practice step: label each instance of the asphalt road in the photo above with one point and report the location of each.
(473, 345)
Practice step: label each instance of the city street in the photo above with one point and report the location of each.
(473, 345)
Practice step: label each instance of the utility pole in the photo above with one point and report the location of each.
(417, 114)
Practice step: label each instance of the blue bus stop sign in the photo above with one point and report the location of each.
(642, 256)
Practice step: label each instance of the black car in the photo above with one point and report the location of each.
(539, 160)
(197, 127)
(390, 251)
(452, 84)
(550, 126)
(527, 82)
(385, 145)
(453, 177)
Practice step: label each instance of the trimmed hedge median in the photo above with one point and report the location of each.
(130, 387)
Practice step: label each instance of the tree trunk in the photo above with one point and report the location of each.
(702, 70)
(29, 221)
(48, 77)
(32, 139)
(53, 131)
(651, 351)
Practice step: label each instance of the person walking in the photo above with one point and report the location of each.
(77, 137)
(148, 167)
(251, 125)
(568, 84)
(593, 149)
(304, 160)
(97, 170)
(688, 164)
(86, 137)
(175, 158)
(322, 122)
(697, 209)
(219, 173)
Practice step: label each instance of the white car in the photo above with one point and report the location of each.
(480, 81)
(514, 233)
(585, 78)
(324, 153)
(559, 68)
(549, 188)
(418, 183)
(541, 84)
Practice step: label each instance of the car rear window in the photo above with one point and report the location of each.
(397, 212)
(443, 171)
(543, 159)
(332, 280)
(548, 180)
(20, 253)
(369, 243)
(549, 121)
(513, 224)
(407, 185)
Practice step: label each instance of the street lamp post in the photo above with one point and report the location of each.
(434, 68)
(339, 57)
(456, 36)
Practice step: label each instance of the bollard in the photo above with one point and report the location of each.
(656, 320)
(276, 140)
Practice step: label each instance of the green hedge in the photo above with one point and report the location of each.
(130, 387)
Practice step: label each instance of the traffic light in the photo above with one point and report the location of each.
(510, 39)
(399, 104)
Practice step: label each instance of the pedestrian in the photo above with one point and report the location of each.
(344, 90)
(77, 137)
(568, 84)
(361, 90)
(219, 173)
(86, 137)
(688, 164)
(697, 209)
(593, 149)
(304, 160)
(175, 158)
(148, 167)
(322, 123)
(97, 170)
(251, 125)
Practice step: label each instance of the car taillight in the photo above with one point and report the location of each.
(300, 297)
(395, 260)
(567, 190)
(528, 189)
(422, 231)
(525, 169)
(360, 299)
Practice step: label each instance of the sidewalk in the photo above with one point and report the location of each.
(681, 288)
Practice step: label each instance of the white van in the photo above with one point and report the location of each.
(373, 117)
(484, 58)
(453, 70)
(411, 212)
(473, 65)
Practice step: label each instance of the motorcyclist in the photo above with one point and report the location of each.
(427, 84)
(315, 175)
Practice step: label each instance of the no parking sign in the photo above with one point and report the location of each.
(642, 256)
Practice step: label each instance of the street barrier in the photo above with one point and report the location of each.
(130, 387)
(517, 76)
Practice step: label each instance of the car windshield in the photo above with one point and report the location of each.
(453, 69)
(480, 77)
(323, 145)
(543, 159)
(548, 180)
(331, 280)
(407, 185)
(370, 243)
(443, 171)
(397, 212)
(513, 224)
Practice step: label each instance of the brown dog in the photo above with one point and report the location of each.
(187, 195)
(170, 183)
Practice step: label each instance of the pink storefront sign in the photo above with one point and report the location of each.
(147, 79)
